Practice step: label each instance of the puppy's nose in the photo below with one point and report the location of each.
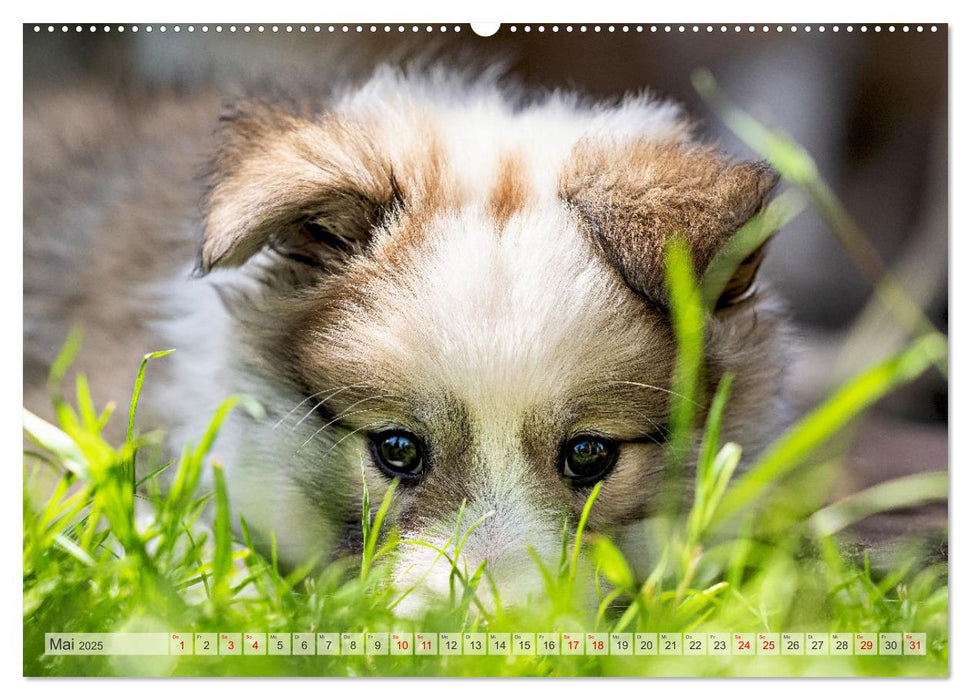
(507, 552)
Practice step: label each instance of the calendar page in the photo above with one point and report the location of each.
(394, 349)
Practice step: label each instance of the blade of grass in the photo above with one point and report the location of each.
(65, 358)
(688, 321)
(581, 525)
(222, 561)
(788, 452)
(612, 564)
(374, 531)
(896, 493)
(705, 480)
(57, 442)
(72, 548)
(137, 392)
(155, 472)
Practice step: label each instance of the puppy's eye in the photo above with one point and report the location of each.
(398, 454)
(588, 458)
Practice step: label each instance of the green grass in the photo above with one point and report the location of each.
(744, 552)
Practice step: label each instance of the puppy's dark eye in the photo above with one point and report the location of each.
(398, 454)
(588, 458)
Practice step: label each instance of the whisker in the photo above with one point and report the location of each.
(334, 446)
(341, 417)
(314, 395)
(319, 404)
(660, 388)
(330, 396)
(660, 428)
(346, 409)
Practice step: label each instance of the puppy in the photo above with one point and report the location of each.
(431, 279)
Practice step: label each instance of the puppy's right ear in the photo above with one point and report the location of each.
(306, 187)
(633, 198)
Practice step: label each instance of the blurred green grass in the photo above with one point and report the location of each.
(751, 552)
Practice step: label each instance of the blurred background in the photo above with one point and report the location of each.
(871, 108)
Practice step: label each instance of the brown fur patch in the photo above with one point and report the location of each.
(511, 189)
(633, 198)
(275, 171)
(335, 178)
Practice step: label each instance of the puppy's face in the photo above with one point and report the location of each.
(471, 300)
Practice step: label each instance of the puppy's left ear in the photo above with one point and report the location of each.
(632, 200)
(306, 187)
